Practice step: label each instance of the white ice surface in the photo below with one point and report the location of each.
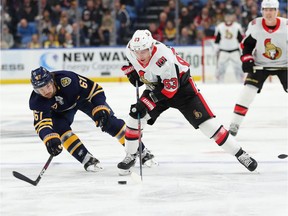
(195, 177)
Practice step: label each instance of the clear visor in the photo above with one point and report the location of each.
(44, 89)
(142, 55)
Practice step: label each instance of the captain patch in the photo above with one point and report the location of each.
(65, 81)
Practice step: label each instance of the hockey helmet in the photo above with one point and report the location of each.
(40, 77)
(270, 4)
(141, 40)
(229, 17)
(229, 11)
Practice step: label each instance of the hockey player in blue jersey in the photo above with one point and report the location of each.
(56, 98)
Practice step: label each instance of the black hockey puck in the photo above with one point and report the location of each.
(282, 156)
(122, 182)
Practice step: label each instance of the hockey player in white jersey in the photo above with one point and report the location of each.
(264, 53)
(228, 35)
(168, 84)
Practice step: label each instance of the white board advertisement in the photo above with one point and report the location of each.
(90, 62)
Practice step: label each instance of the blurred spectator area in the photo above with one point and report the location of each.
(86, 23)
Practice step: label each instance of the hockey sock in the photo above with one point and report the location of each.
(241, 108)
(74, 146)
(131, 138)
(120, 136)
(227, 142)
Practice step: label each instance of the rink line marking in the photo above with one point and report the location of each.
(160, 162)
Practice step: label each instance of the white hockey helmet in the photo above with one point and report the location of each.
(270, 4)
(141, 40)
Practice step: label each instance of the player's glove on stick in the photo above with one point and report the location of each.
(247, 63)
(132, 74)
(138, 109)
(53, 144)
(101, 115)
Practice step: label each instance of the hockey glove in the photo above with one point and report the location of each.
(138, 109)
(132, 74)
(53, 144)
(247, 63)
(101, 115)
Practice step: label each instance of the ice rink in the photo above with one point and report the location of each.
(195, 177)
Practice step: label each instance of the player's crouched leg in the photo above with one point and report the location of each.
(132, 147)
(76, 148)
(221, 136)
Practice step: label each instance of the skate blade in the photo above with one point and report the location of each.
(151, 163)
(124, 172)
(95, 168)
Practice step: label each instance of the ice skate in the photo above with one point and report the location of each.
(247, 161)
(233, 129)
(125, 165)
(148, 158)
(93, 165)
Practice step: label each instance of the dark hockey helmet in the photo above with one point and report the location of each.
(229, 11)
(40, 77)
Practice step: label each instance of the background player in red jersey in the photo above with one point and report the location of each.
(168, 85)
(56, 98)
(264, 47)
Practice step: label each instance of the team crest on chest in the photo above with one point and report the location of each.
(228, 34)
(271, 51)
(65, 81)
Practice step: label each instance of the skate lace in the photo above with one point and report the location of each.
(128, 159)
(145, 153)
(245, 159)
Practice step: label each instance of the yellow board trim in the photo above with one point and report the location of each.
(95, 79)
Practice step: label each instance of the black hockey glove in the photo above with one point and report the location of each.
(138, 109)
(101, 115)
(132, 74)
(53, 144)
(247, 63)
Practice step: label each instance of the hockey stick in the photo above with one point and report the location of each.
(139, 132)
(26, 179)
(282, 156)
(255, 68)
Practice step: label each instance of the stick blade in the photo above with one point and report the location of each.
(136, 178)
(23, 178)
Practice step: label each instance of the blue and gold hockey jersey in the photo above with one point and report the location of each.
(73, 91)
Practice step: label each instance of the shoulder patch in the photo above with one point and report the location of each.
(161, 61)
(65, 81)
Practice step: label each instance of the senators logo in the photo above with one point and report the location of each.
(197, 114)
(228, 34)
(271, 51)
(65, 81)
(144, 80)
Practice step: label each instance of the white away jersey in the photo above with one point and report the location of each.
(229, 35)
(163, 64)
(271, 45)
